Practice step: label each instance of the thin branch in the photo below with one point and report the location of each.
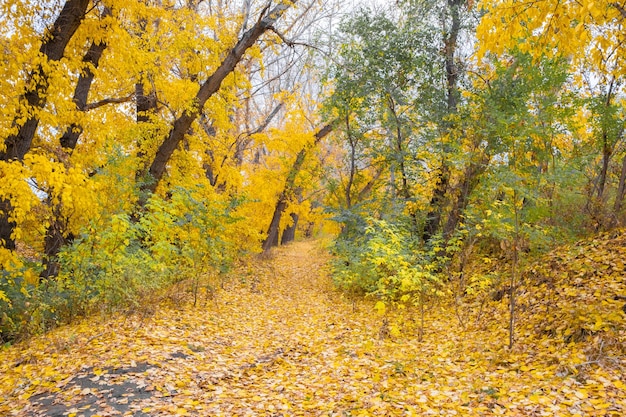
(112, 100)
(282, 37)
(292, 44)
(620, 9)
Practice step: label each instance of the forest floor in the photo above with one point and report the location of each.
(279, 340)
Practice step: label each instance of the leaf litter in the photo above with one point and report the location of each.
(286, 343)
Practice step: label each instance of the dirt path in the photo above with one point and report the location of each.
(280, 341)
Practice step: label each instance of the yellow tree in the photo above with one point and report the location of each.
(590, 34)
(18, 131)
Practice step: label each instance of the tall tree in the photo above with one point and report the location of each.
(451, 30)
(53, 43)
(210, 86)
(289, 190)
(590, 34)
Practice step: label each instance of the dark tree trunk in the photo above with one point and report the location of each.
(450, 46)
(289, 234)
(607, 152)
(468, 183)
(146, 103)
(81, 93)
(621, 191)
(57, 235)
(438, 200)
(399, 148)
(56, 238)
(6, 226)
(53, 46)
(352, 141)
(288, 190)
(207, 90)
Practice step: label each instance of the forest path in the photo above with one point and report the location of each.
(279, 340)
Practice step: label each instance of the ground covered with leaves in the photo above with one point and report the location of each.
(279, 340)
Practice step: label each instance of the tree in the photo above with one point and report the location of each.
(289, 189)
(590, 34)
(33, 99)
(209, 87)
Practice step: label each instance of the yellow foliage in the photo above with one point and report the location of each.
(282, 340)
(585, 31)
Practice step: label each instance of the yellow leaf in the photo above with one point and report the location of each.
(581, 394)
(380, 308)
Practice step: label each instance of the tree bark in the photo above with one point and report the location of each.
(438, 200)
(6, 225)
(83, 86)
(352, 141)
(56, 234)
(433, 218)
(288, 190)
(207, 89)
(53, 46)
(405, 191)
(289, 234)
(621, 190)
(466, 186)
(145, 104)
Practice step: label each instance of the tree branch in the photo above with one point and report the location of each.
(111, 100)
(620, 9)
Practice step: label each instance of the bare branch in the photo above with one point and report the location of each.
(111, 100)
(620, 9)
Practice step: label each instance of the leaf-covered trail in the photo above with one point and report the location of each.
(279, 340)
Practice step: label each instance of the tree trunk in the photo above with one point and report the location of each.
(289, 234)
(433, 218)
(56, 234)
(621, 191)
(607, 152)
(450, 46)
(438, 200)
(399, 149)
(146, 103)
(273, 231)
(56, 238)
(207, 89)
(352, 142)
(467, 185)
(83, 86)
(6, 226)
(53, 46)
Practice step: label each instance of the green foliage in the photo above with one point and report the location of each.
(386, 262)
(110, 269)
(125, 264)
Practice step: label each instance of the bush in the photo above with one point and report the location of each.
(120, 264)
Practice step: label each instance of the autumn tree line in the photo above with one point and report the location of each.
(151, 142)
(145, 143)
